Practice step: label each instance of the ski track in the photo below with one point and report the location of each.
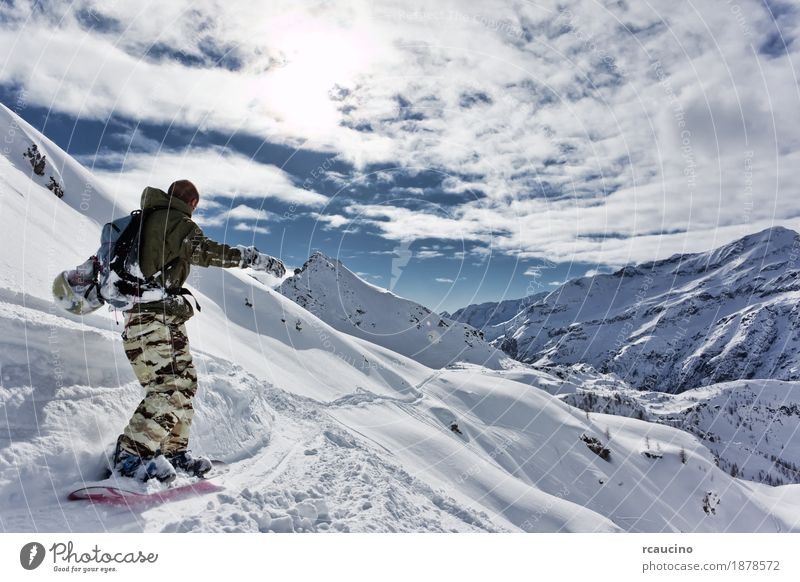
(343, 478)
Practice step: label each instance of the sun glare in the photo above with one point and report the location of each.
(298, 92)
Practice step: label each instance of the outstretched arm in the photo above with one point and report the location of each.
(209, 253)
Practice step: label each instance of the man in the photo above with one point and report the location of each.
(155, 442)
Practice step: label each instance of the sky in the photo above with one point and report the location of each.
(455, 152)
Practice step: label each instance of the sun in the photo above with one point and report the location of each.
(317, 57)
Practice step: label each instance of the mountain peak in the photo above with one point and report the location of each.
(317, 255)
(775, 236)
(752, 249)
(329, 290)
(320, 259)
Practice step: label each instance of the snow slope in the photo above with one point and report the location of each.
(333, 293)
(679, 323)
(324, 431)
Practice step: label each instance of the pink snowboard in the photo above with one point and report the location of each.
(110, 495)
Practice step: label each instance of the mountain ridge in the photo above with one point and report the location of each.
(676, 323)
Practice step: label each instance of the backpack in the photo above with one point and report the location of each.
(113, 275)
(120, 281)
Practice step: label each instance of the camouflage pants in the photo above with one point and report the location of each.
(158, 350)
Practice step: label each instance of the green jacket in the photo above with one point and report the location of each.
(171, 244)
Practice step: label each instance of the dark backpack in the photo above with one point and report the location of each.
(120, 281)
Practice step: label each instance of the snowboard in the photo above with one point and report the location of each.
(122, 492)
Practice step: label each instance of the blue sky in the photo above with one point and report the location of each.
(471, 152)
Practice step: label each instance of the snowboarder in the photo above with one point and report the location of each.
(155, 442)
(454, 427)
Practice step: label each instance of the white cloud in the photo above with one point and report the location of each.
(246, 227)
(425, 254)
(217, 173)
(245, 212)
(444, 280)
(331, 221)
(405, 225)
(569, 122)
(281, 92)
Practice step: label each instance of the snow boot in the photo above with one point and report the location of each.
(157, 467)
(197, 466)
(160, 468)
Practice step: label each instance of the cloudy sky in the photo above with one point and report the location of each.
(453, 151)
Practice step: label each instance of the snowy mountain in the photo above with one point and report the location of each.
(493, 318)
(679, 323)
(326, 288)
(323, 430)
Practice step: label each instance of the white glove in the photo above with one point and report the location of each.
(261, 262)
